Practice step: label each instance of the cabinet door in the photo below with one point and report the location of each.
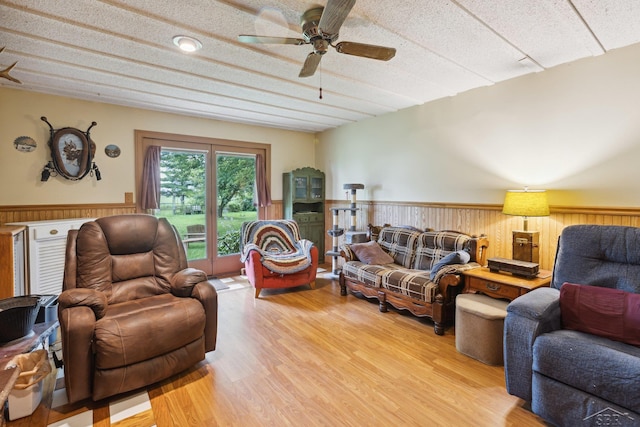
(304, 230)
(314, 231)
(316, 235)
(300, 187)
(12, 261)
(317, 188)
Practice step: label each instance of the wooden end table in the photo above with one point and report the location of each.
(502, 285)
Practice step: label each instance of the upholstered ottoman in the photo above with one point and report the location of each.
(479, 327)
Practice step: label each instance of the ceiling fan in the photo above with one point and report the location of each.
(320, 27)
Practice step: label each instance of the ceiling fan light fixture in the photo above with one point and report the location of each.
(187, 44)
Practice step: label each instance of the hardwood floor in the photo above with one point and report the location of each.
(302, 357)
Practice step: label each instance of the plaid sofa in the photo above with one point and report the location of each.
(406, 282)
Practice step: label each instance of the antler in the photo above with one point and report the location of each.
(5, 73)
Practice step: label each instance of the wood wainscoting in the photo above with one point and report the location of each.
(22, 213)
(467, 218)
(482, 219)
(51, 212)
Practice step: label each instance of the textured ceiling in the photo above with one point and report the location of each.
(121, 52)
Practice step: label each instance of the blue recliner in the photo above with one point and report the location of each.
(571, 377)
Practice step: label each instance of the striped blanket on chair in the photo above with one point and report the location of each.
(279, 244)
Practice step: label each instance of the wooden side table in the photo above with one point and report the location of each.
(502, 285)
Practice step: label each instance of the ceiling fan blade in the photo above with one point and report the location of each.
(333, 16)
(366, 50)
(310, 65)
(244, 38)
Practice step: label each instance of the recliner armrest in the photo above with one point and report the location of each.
(77, 326)
(95, 300)
(542, 304)
(206, 293)
(193, 283)
(182, 282)
(528, 317)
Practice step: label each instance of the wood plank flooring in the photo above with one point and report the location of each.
(303, 357)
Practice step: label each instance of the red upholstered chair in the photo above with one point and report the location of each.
(275, 256)
(132, 313)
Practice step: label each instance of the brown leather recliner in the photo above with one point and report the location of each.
(131, 313)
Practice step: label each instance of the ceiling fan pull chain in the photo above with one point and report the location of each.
(320, 74)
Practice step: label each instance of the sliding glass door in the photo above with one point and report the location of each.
(183, 197)
(235, 201)
(207, 190)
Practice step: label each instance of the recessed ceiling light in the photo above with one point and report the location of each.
(187, 44)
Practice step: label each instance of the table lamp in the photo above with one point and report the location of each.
(526, 203)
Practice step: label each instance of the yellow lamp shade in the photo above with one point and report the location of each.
(526, 203)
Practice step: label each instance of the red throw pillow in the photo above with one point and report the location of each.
(606, 312)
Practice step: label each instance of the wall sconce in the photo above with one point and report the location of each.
(526, 203)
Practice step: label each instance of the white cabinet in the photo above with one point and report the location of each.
(46, 244)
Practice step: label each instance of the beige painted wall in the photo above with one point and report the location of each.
(574, 130)
(20, 113)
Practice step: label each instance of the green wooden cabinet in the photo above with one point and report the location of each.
(303, 201)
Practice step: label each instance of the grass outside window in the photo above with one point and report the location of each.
(228, 230)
